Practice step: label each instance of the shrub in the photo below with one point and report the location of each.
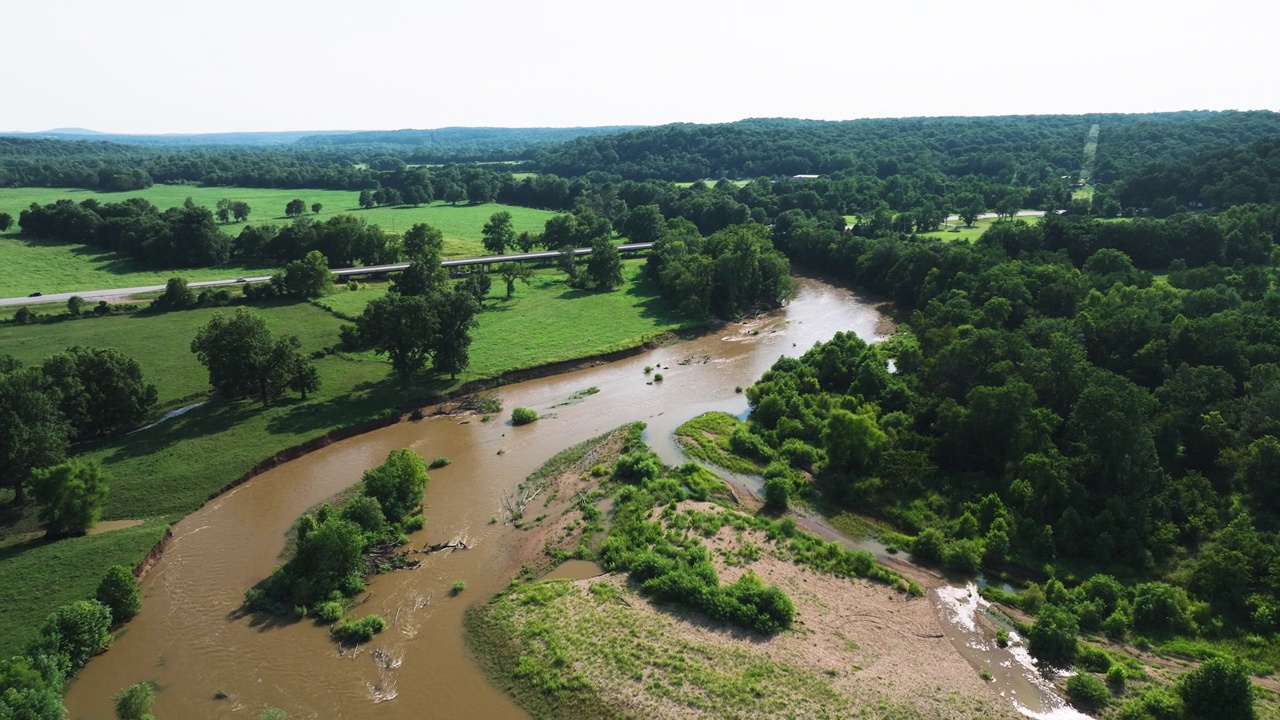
(367, 513)
(438, 463)
(329, 611)
(927, 546)
(648, 369)
(1093, 659)
(1053, 637)
(798, 453)
(457, 587)
(777, 493)
(273, 713)
(748, 444)
(523, 416)
(1116, 678)
(119, 592)
(24, 316)
(963, 555)
(413, 523)
(352, 286)
(397, 483)
(657, 377)
(135, 703)
(1220, 688)
(68, 496)
(638, 466)
(1159, 607)
(75, 305)
(1087, 691)
(79, 631)
(353, 632)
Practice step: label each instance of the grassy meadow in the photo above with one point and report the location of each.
(50, 267)
(165, 472)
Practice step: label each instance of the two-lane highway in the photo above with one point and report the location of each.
(117, 293)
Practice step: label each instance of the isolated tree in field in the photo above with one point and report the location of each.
(295, 207)
(308, 277)
(527, 240)
(498, 233)
(423, 238)
(568, 262)
(223, 212)
(75, 305)
(68, 497)
(405, 328)
(118, 590)
(477, 285)
(99, 389)
(512, 271)
(604, 265)
(366, 200)
(457, 316)
(244, 358)
(240, 210)
(33, 433)
(397, 484)
(424, 276)
(969, 207)
(316, 208)
(6, 221)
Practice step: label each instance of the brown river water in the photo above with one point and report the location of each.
(210, 660)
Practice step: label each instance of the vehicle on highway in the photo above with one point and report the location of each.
(35, 294)
(242, 279)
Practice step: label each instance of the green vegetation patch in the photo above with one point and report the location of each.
(40, 575)
(50, 267)
(560, 653)
(161, 342)
(709, 437)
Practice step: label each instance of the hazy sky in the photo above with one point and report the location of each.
(155, 66)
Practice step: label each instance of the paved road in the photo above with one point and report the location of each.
(93, 296)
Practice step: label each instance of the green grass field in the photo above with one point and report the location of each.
(161, 342)
(67, 267)
(167, 471)
(959, 231)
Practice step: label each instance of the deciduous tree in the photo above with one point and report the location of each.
(498, 233)
(68, 497)
(244, 358)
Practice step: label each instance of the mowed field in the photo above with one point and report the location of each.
(165, 472)
(67, 267)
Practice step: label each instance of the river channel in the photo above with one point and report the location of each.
(210, 660)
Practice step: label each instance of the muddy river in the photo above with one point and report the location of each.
(210, 660)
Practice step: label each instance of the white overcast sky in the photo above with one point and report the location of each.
(166, 66)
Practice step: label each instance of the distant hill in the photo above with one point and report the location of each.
(179, 139)
(1010, 149)
(460, 144)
